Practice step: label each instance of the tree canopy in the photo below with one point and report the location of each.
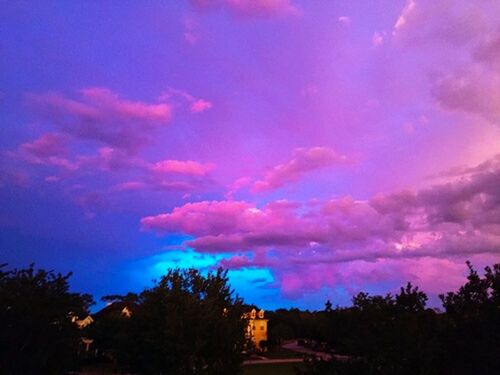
(393, 335)
(38, 335)
(187, 323)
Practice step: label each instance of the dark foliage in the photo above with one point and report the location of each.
(472, 334)
(314, 366)
(395, 335)
(37, 334)
(293, 323)
(186, 324)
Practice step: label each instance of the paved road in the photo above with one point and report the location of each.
(293, 347)
(322, 355)
(301, 349)
(271, 361)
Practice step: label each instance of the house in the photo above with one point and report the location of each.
(116, 308)
(256, 328)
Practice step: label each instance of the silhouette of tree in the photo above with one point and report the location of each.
(328, 306)
(186, 324)
(472, 335)
(279, 331)
(410, 299)
(395, 335)
(471, 299)
(37, 334)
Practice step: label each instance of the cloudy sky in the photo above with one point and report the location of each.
(314, 148)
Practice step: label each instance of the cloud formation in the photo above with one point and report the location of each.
(445, 21)
(488, 50)
(50, 144)
(472, 90)
(187, 167)
(344, 20)
(461, 40)
(200, 105)
(120, 129)
(458, 218)
(101, 115)
(49, 149)
(250, 8)
(303, 161)
(52, 150)
(377, 39)
(406, 13)
(196, 105)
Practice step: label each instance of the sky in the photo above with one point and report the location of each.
(314, 149)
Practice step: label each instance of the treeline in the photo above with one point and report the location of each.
(187, 323)
(398, 334)
(37, 334)
(190, 323)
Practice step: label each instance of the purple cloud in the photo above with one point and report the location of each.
(472, 90)
(303, 161)
(250, 8)
(101, 115)
(445, 220)
(187, 167)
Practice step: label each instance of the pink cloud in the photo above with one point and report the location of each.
(200, 218)
(196, 105)
(174, 186)
(165, 175)
(489, 50)
(229, 225)
(170, 186)
(200, 105)
(236, 225)
(259, 259)
(459, 218)
(235, 262)
(126, 109)
(473, 90)
(425, 22)
(407, 12)
(254, 8)
(52, 151)
(191, 34)
(50, 144)
(101, 115)
(190, 37)
(303, 161)
(16, 178)
(49, 149)
(356, 276)
(377, 39)
(461, 38)
(110, 159)
(174, 175)
(129, 186)
(187, 167)
(344, 20)
(240, 183)
(250, 8)
(91, 202)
